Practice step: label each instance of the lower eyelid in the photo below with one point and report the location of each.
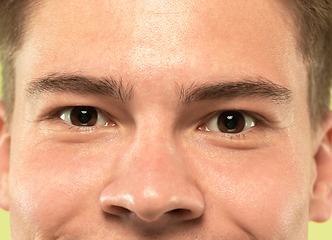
(253, 138)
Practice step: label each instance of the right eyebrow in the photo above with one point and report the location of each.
(77, 84)
(250, 87)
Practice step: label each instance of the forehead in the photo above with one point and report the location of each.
(146, 39)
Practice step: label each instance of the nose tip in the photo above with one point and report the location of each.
(179, 207)
(152, 185)
(153, 206)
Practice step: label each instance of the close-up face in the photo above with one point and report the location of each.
(160, 120)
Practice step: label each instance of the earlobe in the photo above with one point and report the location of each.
(321, 199)
(4, 159)
(4, 191)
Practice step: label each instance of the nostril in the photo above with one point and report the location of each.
(180, 213)
(119, 211)
(149, 202)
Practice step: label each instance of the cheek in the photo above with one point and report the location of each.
(264, 191)
(53, 179)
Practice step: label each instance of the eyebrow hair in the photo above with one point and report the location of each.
(56, 83)
(259, 88)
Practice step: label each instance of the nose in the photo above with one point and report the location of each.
(153, 187)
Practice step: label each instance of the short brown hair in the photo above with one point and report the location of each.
(13, 15)
(313, 19)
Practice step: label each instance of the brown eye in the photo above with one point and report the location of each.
(230, 122)
(83, 116)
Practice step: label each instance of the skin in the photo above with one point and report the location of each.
(157, 170)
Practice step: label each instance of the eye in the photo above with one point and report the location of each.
(84, 116)
(230, 122)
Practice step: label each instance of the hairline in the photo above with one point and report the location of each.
(291, 14)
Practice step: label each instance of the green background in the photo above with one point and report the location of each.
(317, 231)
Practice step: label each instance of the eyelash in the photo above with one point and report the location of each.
(55, 114)
(259, 120)
(237, 135)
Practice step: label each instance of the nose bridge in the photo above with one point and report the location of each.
(155, 140)
(155, 164)
(156, 153)
(156, 146)
(155, 184)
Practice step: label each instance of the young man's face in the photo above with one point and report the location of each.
(160, 120)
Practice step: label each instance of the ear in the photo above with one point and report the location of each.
(321, 199)
(4, 159)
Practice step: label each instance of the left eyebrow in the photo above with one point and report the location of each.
(252, 87)
(78, 84)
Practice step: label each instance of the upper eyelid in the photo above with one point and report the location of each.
(110, 120)
(236, 136)
(57, 112)
(257, 117)
(259, 120)
(218, 112)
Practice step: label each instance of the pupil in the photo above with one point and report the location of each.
(230, 122)
(84, 116)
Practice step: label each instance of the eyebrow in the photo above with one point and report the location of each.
(56, 83)
(251, 87)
